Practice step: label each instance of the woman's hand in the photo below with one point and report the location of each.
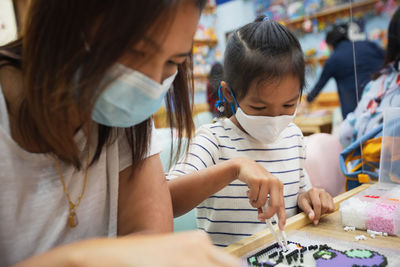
(261, 183)
(315, 202)
(167, 250)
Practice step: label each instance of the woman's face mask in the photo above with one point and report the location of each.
(130, 98)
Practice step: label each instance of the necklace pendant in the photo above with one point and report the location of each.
(72, 219)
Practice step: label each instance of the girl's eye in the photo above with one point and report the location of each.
(288, 106)
(258, 108)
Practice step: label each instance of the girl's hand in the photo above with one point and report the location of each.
(261, 183)
(315, 202)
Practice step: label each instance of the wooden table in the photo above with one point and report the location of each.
(317, 124)
(329, 226)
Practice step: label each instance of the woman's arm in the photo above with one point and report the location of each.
(326, 74)
(144, 202)
(167, 250)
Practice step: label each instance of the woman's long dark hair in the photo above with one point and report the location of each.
(51, 50)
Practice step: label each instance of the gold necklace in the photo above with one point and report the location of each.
(72, 217)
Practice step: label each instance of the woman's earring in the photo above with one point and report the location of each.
(85, 43)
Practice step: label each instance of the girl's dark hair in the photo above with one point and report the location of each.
(51, 50)
(215, 77)
(262, 49)
(336, 35)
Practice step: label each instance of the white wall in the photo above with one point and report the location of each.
(230, 16)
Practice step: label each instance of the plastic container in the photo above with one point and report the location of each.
(376, 208)
(389, 168)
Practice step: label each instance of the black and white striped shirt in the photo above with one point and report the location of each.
(227, 215)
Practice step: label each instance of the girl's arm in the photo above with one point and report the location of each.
(200, 176)
(191, 189)
(144, 202)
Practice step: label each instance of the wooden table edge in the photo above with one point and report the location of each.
(259, 239)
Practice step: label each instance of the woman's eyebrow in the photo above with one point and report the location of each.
(156, 46)
(185, 54)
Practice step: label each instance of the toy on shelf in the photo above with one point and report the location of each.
(310, 52)
(205, 52)
(332, 3)
(205, 33)
(323, 49)
(295, 9)
(312, 6)
(329, 12)
(274, 9)
(307, 26)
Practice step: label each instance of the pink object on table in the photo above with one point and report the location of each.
(322, 163)
(381, 218)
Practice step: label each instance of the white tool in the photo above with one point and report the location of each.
(282, 239)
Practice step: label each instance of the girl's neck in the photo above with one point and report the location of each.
(235, 121)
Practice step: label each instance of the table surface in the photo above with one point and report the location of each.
(329, 226)
(308, 120)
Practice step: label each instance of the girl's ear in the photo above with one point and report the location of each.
(226, 91)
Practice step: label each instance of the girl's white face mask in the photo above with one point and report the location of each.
(264, 128)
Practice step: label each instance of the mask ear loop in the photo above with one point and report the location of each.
(234, 100)
(221, 100)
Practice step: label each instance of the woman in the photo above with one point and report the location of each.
(340, 66)
(79, 160)
(60, 171)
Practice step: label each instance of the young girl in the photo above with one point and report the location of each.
(263, 81)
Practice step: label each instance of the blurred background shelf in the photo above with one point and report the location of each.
(201, 76)
(331, 11)
(209, 42)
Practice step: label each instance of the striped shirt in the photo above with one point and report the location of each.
(227, 215)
